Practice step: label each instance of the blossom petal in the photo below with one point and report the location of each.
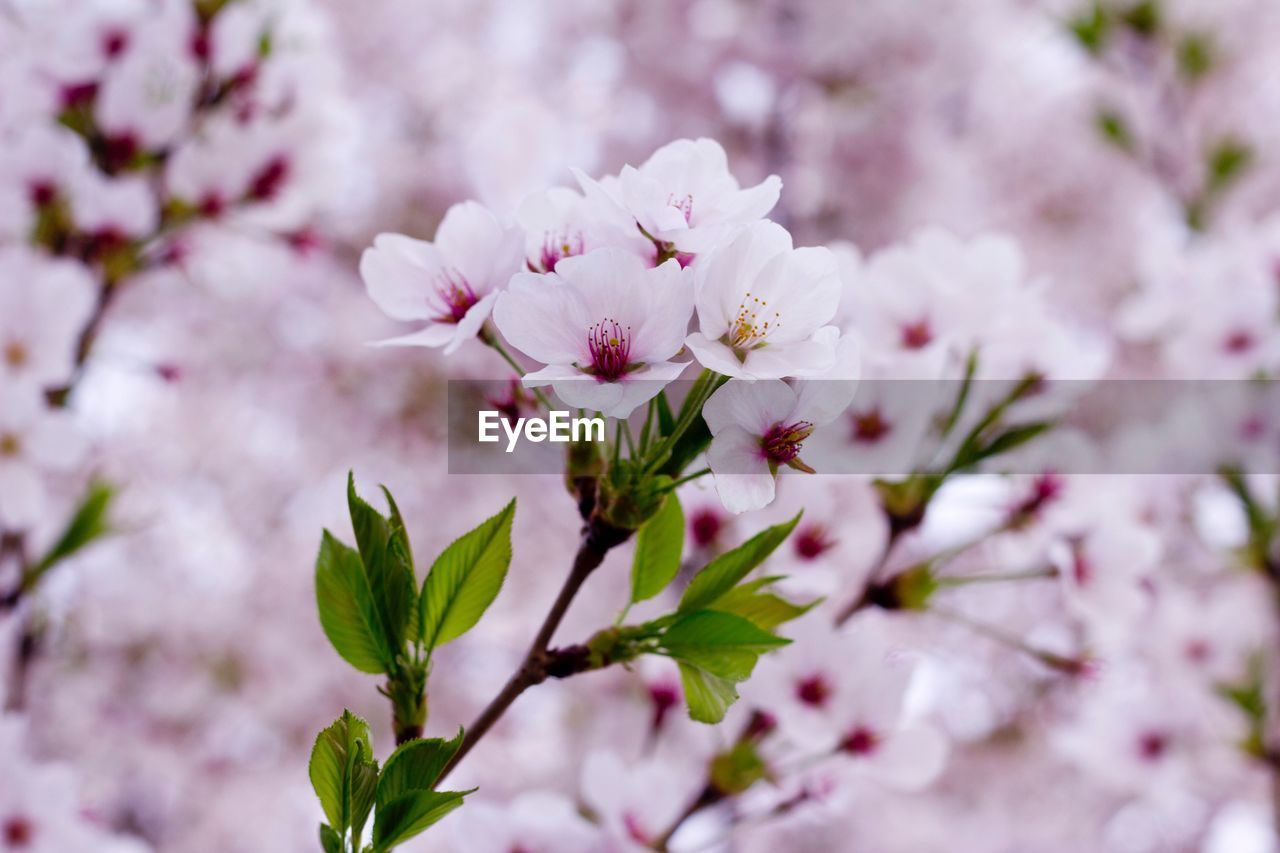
(909, 759)
(776, 361)
(469, 326)
(398, 273)
(742, 477)
(716, 356)
(544, 318)
(472, 241)
(753, 406)
(433, 335)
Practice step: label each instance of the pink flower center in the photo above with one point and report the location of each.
(813, 690)
(860, 741)
(917, 335)
(664, 697)
(1152, 746)
(1238, 342)
(684, 204)
(812, 542)
(783, 442)
(17, 832)
(870, 427)
(705, 527)
(114, 42)
(42, 193)
(269, 180)
(610, 346)
(557, 247)
(455, 295)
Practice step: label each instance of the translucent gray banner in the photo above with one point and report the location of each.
(897, 427)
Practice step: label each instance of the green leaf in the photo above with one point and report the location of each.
(1091, 28)
(387, 565)
(1196, 56)
(1227, 161)
(330, 841)
(89, 522)
(407, 815)
(361, 789)
(347, 613)
(343, 745)
(738, 768)
(766, 610)
(720, 643)
(913, 588)
(708, 696)
(415, 766)
(1014, 437)
(1114, 129)
(399, 532)
(666, 420)
(465, 579)
(658, 549)
(1143, 17)
(723, 573)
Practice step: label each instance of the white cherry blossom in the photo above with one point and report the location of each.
(758, 428)
(605, 325)
(451, 283)
(684, 196)
(764, 308)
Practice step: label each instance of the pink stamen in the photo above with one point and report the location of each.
(684, 204)
(557, 247)
(456, 297)
(917, 335)
(813, 690)
(610, 348)
(860, 741)
(783, 442)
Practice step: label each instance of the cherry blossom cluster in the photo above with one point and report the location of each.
(1020, 204)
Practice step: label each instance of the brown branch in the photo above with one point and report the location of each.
(539, 663)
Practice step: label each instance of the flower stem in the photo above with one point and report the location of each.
(687, 479)
(998, 577)
(491, 340)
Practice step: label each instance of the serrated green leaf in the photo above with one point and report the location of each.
(720, 643)
(348, 615)
(465, 579)
(708, 696)
(658, 549)
(399, 531)
(384, 552)
(362, 788)
(766, 610)
(343, 745)
(89, 522)
(407, 815)
(415, 766)
(330, 841)
(723, 573)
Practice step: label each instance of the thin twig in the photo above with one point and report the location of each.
(597, 540)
